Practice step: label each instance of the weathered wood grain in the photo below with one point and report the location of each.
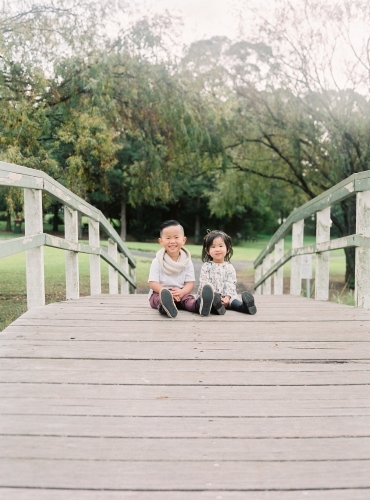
(181, 365)
(185, 427)
(71, 448)
(169, 475)
(73, 494)
(145, 377)
(103, 398)
(176, 407)
(183, 393)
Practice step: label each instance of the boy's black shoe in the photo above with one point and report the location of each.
(217, 304)
(248, 303)
(206, 300)
(167, 303)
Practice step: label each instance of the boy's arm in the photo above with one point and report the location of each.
(155, 286)
(154, 277)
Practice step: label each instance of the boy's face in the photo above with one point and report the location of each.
(172, 240)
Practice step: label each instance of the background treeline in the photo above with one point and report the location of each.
(229, 133)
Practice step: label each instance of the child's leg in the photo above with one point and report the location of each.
(217, 306)
(202, 305)
(246, 305)
(154, 300)
(163, 303)
(189, 303)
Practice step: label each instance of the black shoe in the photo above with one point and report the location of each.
(206, 300)
(217, 304)
(248, 303)
(167, 303)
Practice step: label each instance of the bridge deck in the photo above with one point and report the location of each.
(103, 398)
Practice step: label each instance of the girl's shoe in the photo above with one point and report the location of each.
(206, 300)
(167, 303)
(217, 304)
(248, 303)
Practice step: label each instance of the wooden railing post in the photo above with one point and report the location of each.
(362, 283)
(133, 276)
(266, 285)
(322, 258)
(124, 267)
(257, 277)
(71, 234)
(113, 274)
(297, 242)
(34, 256)
(95, 272)
(279, 275)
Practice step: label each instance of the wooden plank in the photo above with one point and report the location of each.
(183, 392)
(103, 449)
(168, 475)
(163, 405)
(189, 427)
(81, 494)
(302, 315)
(168, 350)
(123, 367)
(148, 331)
(224, 378)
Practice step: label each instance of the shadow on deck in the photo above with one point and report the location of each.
(103, 398)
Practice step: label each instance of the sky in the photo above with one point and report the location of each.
(202, 18)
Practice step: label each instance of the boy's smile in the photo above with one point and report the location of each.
(172, 240)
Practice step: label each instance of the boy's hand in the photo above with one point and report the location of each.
(177, 294)
(225, 300)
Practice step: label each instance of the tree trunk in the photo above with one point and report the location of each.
(8, 222)
(349, 217)
(197, 229)
(123, 221)
(55, 218)
(197, 221)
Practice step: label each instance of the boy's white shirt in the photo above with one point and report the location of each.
(158, 274)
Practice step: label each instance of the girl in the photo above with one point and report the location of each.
(220, 274)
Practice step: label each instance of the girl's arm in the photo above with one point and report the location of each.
(229, 288)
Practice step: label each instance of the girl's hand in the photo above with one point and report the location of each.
(225, 300)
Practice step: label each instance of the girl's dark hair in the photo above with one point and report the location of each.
(209, 239)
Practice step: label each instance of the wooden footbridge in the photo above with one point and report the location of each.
(103, 398)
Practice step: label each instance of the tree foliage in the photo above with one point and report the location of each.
(245, 129)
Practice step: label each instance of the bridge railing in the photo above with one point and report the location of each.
(271, 260)
(121, 262)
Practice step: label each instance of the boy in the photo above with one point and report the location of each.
(172, 278)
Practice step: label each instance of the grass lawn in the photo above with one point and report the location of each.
(13, 275)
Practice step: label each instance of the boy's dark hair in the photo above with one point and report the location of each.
(168, 223)
(209, 239)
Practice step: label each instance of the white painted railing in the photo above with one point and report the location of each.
(356, 185)
(119, 258)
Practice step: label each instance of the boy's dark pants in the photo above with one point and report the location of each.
(187, 303)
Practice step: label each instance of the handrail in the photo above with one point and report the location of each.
(356, 185)
(36, 182)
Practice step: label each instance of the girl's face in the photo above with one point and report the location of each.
(218, 250)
